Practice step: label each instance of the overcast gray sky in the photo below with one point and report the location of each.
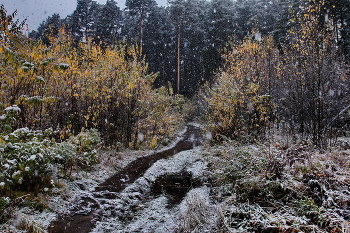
(37, 11)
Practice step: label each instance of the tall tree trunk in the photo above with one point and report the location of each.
(178, 59)
(141, 30)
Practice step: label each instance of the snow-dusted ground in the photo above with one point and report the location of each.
(81, 182)
(135, 210)
(227, 173)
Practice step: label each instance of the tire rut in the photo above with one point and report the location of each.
(85, 210)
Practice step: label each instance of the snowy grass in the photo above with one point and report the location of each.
(263, 187)
(197, 212)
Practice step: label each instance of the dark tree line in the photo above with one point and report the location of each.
(184, 41)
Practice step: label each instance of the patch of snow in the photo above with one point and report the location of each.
(196, 124)
(13, 108)
(140, 137)
(40, 220)
(257, 36)
(179, 162)
(198, 169)
(208, 135)
(192, 138)
(40, 79)
(153, 217)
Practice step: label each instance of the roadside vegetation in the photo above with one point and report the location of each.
(275, 118)
(265, 188)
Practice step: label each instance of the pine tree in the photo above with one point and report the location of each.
(80, 22)
(138, 11)
(47, 29)
(159, 46)
(107, 25)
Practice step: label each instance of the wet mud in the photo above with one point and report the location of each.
(83, 216)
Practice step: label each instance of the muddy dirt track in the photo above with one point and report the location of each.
(83, 216)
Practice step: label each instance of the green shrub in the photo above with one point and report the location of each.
(27, 158)
(26, 135)
(26, 165)
(65, 158)
(8, 118)
(85, 142)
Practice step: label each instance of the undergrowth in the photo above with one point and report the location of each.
(32, 162)
(266, 188)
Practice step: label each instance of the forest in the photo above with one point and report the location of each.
(266, 81)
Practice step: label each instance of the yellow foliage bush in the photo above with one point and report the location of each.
(71, 88)
(239, 102)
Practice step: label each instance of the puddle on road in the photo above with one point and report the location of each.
(174, 185)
